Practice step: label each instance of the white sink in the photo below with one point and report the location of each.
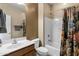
(18, 44)
(13, 46)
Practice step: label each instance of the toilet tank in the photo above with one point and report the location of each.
(36, 41)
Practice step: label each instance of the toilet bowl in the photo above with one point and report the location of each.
(41, 51)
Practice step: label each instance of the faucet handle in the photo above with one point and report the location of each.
(0, 41)
(14, 41)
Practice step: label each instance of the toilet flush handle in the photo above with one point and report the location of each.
(48, 35)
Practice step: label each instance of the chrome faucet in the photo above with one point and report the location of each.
(14, 41)
(0, 42)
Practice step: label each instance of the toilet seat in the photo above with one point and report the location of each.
(42, 51)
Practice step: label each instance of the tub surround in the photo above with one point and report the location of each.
(10, 48)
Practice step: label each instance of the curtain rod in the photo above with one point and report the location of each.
(76, 6)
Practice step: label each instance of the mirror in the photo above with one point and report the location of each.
(12, 21)
(16, 21)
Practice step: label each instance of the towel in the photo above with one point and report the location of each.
(2, 22)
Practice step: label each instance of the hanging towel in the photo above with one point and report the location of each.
(65, 20)
(2, 22)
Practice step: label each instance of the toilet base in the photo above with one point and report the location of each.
(41, 54)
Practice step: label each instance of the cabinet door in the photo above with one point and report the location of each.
(31, 53)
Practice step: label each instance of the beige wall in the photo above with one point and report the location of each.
(41, 22)
(56, 7)
(47, 10)
(60, 6)
(17, 17)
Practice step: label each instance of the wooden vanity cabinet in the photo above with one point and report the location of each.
(26, 51)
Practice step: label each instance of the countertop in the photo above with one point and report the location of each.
(9, 47)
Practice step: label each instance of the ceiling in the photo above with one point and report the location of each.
(18, 6)
(22, 7)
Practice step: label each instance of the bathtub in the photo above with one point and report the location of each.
(52, 51)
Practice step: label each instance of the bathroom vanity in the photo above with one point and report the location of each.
(26, 51)
(21, 48)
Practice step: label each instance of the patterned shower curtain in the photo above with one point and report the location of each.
(70, 32)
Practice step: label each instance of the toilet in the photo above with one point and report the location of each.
(41, 51)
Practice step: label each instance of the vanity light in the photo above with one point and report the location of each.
(21, 3)
(64, 3)
(56, 19)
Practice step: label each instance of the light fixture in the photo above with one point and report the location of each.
(56, 19)
(64, 3)
(21, 3)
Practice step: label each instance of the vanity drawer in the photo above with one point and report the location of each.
(22, 51)
(31, 53)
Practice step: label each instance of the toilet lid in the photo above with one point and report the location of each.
(42, 49)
